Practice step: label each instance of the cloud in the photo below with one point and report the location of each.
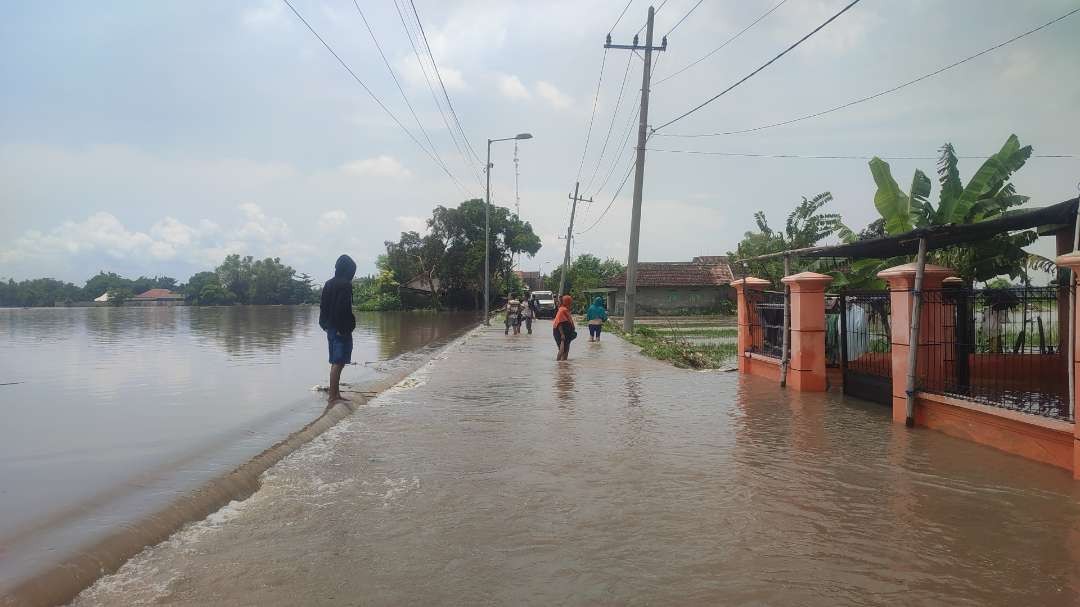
(378, 166)
(265, 14)
(415, 75)
(331, 221)
(511, 87)
(843, 35)
(556, 98)
(411, 223)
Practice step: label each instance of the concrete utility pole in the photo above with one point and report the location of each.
(569, 235)
(487, 225)
(639, 174)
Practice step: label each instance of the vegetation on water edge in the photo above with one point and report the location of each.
(673, 347)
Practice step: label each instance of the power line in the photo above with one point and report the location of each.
(753, 73)
(688, 13)
(372, 95)
(629, 170)
(837, 156)
(655, 13)
(435, 65)
(592, 116)
(622, 149)
(614, 25)
(726, 42)
(611, 126)
(399, 87)
(435, 97)
(886, 91)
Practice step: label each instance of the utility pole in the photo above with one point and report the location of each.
(639, 174)
(569, 235)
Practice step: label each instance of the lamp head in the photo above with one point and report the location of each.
(523, 136)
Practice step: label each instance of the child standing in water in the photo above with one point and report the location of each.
(563, 328)
(596, 315)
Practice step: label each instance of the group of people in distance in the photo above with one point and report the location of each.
(524, 311)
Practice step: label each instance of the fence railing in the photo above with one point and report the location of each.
(1001, 347)
(866, 342)
(768, 307)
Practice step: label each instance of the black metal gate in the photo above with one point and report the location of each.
(866, 345)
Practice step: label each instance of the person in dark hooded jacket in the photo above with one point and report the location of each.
(336, 318)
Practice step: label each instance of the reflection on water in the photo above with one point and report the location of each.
(108, 411)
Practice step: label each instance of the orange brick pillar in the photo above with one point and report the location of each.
(747, 290)
(1072, 262)
(901, 280)
(807, 370)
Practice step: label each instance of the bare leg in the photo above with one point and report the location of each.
(335, 384)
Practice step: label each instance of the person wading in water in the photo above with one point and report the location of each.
(336, 318)
(596, 315)
(563, 328)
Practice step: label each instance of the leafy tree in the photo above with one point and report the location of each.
(205, 289)
(587, 272)
(37, 292)
(806, 226)
(988, 195)
(118, 296)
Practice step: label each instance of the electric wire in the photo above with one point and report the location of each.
(655, 13)
(616, 24)
(592, 115)
(688, 13)
(397, 82)
(836, 156)
(611, 125)
(435, 97)
(755, 72)
(886, 91)
(595, 223)
(442, 84)
(622, 149)
(725, 43)
(372, 95)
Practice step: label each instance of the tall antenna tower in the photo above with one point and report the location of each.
(517, 198)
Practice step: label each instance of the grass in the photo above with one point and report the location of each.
(671, 346)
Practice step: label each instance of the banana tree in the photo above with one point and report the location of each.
(988, 195)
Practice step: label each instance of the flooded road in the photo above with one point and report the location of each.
(496, 476)
(110, 413)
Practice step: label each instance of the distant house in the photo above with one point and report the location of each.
(103, 298)
(421, 284)
(533, 281)
(157, 297)
(699, 286)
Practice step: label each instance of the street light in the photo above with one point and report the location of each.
(487, 225)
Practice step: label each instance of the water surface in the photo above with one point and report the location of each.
(110, 412)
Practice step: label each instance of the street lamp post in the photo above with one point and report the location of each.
(487, 226)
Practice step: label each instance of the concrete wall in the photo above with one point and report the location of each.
(660, 301)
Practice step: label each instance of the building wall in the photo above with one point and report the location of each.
(658, 301)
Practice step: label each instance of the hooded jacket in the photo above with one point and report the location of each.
(563, 315)
(335, 305)
(596, 311)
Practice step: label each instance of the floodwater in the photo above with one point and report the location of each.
(496, 476)
(109, 413)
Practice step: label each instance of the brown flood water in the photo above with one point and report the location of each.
(496, 476)
(111, 413)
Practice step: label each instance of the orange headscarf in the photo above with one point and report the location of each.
(563, 315)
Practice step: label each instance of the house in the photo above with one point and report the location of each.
(157, 297)
(533, 281)
(421, 284)
(699, 286)
(103, 298)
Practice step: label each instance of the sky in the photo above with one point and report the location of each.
(158, 137)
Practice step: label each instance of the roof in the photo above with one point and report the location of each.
(938, 237)
(527, 274)
(158, 294)
(679, 273)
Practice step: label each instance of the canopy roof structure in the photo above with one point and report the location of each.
(938, 237)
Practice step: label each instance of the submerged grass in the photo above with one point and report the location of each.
(671, 346)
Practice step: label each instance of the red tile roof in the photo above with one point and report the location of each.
(158, 294)
(710, 271)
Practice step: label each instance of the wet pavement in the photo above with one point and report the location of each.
(495, 475)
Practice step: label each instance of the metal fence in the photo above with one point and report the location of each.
(769, 308)
(1001, 347)
(865, 339)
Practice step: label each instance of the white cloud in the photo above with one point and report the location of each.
(331, 221)
(556, 98)
(264, 14)
(260, 227)
(379, 166)
(411, 223)
(453, 78)
(511, 87)
(844, 34)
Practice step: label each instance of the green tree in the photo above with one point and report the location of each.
(806, 226)
(118, 296)
(588, 272)
(988, 195)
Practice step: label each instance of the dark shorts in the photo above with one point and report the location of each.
(594, 330)
(557, 333)
(340, 347)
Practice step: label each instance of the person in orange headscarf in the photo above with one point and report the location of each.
(563, 328)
